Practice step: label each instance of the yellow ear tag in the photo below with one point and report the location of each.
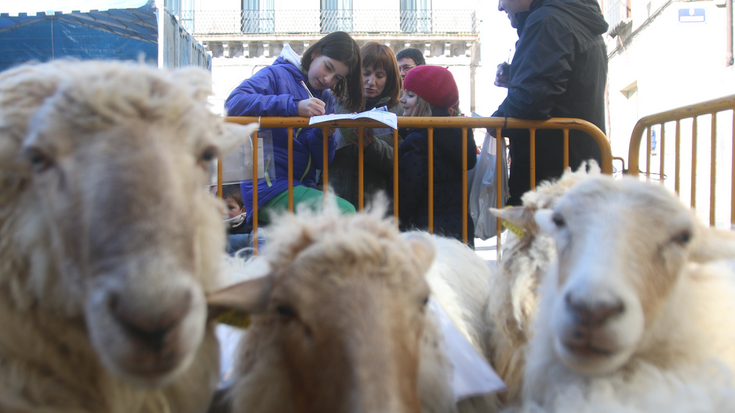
(235, 319)
(513, 228)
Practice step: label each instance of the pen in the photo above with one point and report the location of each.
(307, 89)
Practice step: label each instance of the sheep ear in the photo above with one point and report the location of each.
(234, 135)
(711, 244)
(247, 297)
(423, 249)
(544, 221)
(519, 216)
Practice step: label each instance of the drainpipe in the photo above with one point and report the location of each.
(161, 10)
(728, 52)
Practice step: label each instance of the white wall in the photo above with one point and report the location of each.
(674, 64)
(497, 44)
(376, 15)
(297, 16)
(217, 4)
(210, 19)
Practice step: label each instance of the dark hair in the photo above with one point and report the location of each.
(414, 54)
(340, 46)
(382, 57)
(233, 192)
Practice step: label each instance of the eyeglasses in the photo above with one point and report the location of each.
(406, 68)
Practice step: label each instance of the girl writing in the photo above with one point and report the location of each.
(298, 86)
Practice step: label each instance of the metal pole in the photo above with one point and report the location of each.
(161, 24)
(728, 52)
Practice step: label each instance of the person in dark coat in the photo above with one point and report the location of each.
(298, 86)
(559, 70)
(431, 91)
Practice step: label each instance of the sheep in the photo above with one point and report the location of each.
(340, 322)
(512, 300)
(108, 238)
(706, 388)
(636, 286)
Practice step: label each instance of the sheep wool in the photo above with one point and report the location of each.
(632, 296)
(341, 322)
(108, 239)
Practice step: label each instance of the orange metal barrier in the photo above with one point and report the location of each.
(674, 118)
(430, 123)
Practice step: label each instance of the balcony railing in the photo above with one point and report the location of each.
(334, 20)
(239, 22)
(617, 14)
(258, 21)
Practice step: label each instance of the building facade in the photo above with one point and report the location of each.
(664, 54)
(246, 35)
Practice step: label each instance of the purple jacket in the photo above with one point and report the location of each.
(276, 91)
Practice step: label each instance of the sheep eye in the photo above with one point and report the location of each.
(558, 220)
(426, 301)
(285, 311)
(682, 238)
(39, 160)
(209, 154)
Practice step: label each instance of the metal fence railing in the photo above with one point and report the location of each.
(711, 162)
(315, 21)
(430, 123)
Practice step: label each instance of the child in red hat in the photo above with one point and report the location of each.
(431, 91)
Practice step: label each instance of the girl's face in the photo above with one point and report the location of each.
(373, 81)
(326, 72)
(409, 101)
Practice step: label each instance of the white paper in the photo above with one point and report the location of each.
(228, 337)
(387, 118)
(339, 140)
(472, 375)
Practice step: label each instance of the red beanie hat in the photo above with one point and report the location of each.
(433, 83)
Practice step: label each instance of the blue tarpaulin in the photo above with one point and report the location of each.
(44, 30)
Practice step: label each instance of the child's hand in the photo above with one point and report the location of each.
(311, 107)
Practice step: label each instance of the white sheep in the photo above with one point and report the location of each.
(108, 238)
(634, 288)
(341, 322)
(513, 297)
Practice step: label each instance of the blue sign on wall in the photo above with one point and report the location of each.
(691, 15)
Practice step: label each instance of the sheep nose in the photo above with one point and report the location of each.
(592, 314)
(151, 329)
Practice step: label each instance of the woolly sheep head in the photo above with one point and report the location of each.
(339, 318)
(112, 217)
(623, 246)
(527, 255)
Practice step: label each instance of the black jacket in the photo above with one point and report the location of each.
(413, 173)
(559, 70)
